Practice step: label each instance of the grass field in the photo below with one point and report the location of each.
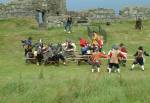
(22, 83)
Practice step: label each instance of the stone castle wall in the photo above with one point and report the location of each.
(94, 15)
(55, 10)
(22, 8)
(134, 12)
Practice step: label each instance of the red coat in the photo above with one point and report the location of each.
(96, 57)
(100, 43)
(123, 49)
(83, 42)
(124, 52)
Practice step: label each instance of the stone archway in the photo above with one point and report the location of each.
(41, 17)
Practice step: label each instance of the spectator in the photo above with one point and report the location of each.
(68, 24)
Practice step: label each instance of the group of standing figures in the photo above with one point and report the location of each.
(41, 53)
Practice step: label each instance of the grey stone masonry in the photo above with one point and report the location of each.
(23, 8)
(133, 12)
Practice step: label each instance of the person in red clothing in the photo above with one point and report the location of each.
(83, 42)
(123, 50)
(100, 43)
(95, 60)
(114, 56)
(84, 46)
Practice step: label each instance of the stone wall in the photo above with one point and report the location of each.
(94, 15)
(17, 8)
(134, 12)
(55, 9)
(23, 8)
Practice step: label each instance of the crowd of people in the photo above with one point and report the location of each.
(54, 53)
(41, 52)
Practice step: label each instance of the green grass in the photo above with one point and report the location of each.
(22, 83)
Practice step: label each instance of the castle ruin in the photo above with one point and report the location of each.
(42, 10)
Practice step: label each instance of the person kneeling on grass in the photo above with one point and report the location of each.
(139, 58)
(114, 56)
(95, 60)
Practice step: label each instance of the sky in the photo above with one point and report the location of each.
(112, 4)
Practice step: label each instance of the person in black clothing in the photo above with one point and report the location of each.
(68, 24)
(69, 48)
(139, 58)
(139, 24)
(27, 45)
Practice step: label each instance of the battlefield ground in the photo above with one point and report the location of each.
(28, 83)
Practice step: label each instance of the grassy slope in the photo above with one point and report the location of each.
(21, 83)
